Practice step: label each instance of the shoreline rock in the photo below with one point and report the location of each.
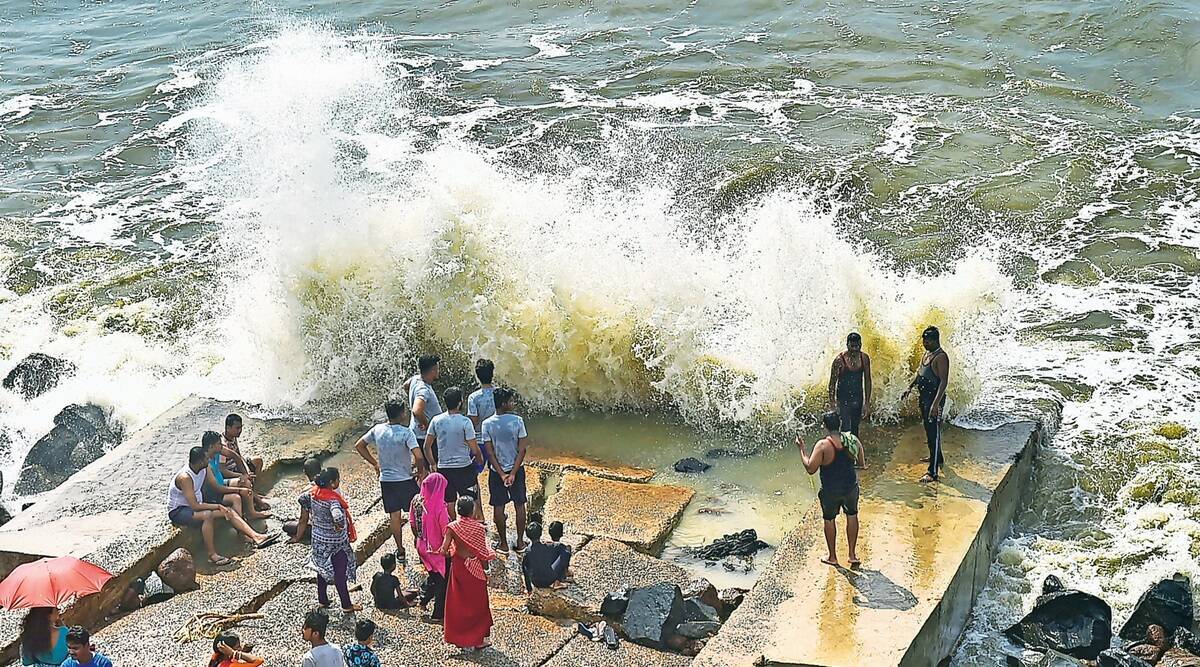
(1073, 622)
(81, 434)
(37, 374)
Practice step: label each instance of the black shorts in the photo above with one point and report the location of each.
(397, 496)
(501, 495)
(831, 503)
(183, 516)
(463, 481)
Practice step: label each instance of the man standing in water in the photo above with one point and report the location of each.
(835, 456)
(933, 375)
(850, 384)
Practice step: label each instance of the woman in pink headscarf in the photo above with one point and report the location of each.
(429, 517)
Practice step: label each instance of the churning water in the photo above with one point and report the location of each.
(636, 206)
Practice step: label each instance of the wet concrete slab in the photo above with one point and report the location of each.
(641, 515)
(926, 551)
(601, 567)
(581, 652)
(561, 463)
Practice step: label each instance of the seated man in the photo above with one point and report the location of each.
(545, 566)
(185, 507)
(235, 492)
(233, 461)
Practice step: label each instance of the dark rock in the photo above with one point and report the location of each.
(155, 590)
(684, 645)
(178, 571)
(653, 613)
(695, 610)
(5, 517)
(614, 604)
(702, 589)
(691, 465)
(1186, 640)
(81, 434)
(731, 599)
(1177, 657)
(37, 374)
(745, 543)
(1115, 657)
(1052, 584)
(1073, 622)
(1055, 659)
(698, 629)
(1168, 603)
(722, 453)
(1152, 649)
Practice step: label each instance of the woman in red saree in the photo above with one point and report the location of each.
(468, 612)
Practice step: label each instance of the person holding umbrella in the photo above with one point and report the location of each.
(43, 638)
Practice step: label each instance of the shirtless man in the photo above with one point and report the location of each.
(835, 457)
(931, 380)
(186, 508)
(850, 384)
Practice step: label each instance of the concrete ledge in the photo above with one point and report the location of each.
(579, 652)
(641, 515)
(602, 566)
(560, 463)
(926, 551)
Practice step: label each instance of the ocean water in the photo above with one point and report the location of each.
(650, 207)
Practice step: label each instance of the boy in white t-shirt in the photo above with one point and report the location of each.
(322, 653)
(506, 480)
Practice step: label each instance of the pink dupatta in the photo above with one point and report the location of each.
(434, 519)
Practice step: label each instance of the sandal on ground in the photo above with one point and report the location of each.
(827, 561)
(222, 561)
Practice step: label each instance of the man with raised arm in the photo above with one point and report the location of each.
(835, 457)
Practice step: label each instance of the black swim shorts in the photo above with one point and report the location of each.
(832, 503)
(463, 481)
(500, 495)
(397, 496)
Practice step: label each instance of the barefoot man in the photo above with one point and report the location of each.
(933, 375)
(835, 456)
(850, 384)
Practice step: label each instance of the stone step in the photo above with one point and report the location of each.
(641, 515)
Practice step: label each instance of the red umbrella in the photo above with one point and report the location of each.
(50, 582)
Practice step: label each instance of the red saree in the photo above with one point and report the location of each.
(468, 612)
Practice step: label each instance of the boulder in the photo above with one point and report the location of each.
(1115, 657)
(155, 590)
(1072, 622)
(695, 610)
(1152, 649)
(698, 629)
(691, 465)
(1177, 657)
(615, 604)
(702, 589)
(745, 543)
(37, 374)
(1168, 603)
(1186, 640)
(178, 571)
(653, 614)
(81, 434)
(684, 645)
(5, 517)
(731, 598)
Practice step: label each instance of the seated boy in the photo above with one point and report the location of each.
(83, 654)
(385, 587)
(545, 566)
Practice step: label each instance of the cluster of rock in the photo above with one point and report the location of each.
(81, 433)
(1071, 627)
(666, 617)
(175, 574)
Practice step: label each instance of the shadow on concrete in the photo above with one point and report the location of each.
(968, 488)
(876, 591)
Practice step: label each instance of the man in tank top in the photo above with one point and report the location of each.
(850, 384)
(835, 456)
(186, 508)
(931, 380)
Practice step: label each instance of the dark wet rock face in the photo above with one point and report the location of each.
(1168, 603)
(745, 543)
(1115, 657)
(1073, 622)
(695, 610)
(653, 614)
(698, 629)
(81, 434)
(178, 571)
(691, 465)
(1187, 640)
(37, 374)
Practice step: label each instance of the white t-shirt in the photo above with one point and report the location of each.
(417, 388)
(326, 655)
(505, 432)
(395, 443)
(481, 404)
(452, 431)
